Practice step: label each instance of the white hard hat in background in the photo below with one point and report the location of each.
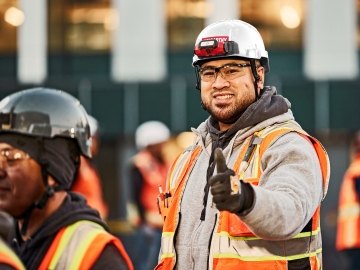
(151, 132)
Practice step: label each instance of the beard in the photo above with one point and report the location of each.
(227, 114)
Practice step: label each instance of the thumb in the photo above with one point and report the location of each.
(220, 161)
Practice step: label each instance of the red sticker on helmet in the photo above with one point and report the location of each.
(218, 38)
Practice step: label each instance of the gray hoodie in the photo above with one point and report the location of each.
(289, 191)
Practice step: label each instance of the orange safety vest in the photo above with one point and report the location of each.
(88, 183)
(348, 225)
(233, 245)
(154, 176)
(8, 257)
(79, 245)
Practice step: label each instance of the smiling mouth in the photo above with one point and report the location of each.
(4, 188)
(223, 97)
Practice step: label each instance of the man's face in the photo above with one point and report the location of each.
(20, 180)
(226, 99)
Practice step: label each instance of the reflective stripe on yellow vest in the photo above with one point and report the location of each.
(8, 257)
(232, 237)
(348, 230)
(71, 247)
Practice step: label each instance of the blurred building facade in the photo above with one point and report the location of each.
(129, 61)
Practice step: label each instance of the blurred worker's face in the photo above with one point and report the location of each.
(227, 99)
(20, 180)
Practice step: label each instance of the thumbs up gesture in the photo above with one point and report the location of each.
(221, 186)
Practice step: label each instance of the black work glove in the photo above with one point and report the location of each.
(225, 195)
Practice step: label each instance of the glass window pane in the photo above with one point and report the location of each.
(280, 22)
(185, 19)
(80, 26)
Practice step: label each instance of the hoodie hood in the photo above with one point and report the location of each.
(73, 209)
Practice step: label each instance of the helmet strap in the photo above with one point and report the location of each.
(197, 86)
(197, 68)
(26, 218)
(49, 190)
(256, 76)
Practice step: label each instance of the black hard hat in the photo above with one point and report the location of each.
(46, 112)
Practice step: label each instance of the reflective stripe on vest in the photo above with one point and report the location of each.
(348, 231)
(8, 257)
(71, 247)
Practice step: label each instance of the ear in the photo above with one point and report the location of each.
(261, 72)
(51, 181)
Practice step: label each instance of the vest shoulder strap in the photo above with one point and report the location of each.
(8, 257)
(71, 246)
(269, 138)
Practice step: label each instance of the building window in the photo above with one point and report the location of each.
(82, 26)
(280, 22)
(185, 20)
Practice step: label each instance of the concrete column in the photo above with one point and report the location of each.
(32, 42)
(221, 10)
(330, 50)
(330, 40)
(139, 41)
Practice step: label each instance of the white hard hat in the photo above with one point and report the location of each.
(230, 38)
(151, 132)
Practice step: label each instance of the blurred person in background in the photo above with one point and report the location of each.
(8, 259)
(147, 170)
(88, 181)
(348, 224)
(43, 133)
(247, 193)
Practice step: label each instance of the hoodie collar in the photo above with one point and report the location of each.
(269, 105)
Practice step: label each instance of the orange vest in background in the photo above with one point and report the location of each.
(154, 175)
(348, 224)
(88, 183)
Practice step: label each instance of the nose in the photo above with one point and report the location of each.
(2, 168)
(3, 162)
(219, 81)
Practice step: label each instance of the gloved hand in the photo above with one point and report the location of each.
(220, 185)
